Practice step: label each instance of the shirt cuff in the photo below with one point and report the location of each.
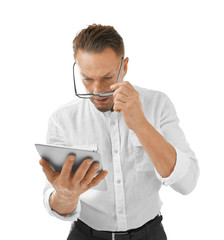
(180, 170)
(73, 216)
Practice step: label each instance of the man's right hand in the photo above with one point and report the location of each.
(68, 186)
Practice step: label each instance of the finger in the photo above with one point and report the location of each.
(49, 172)
(82, 170)
(121, 98)
(98, 179)
(67, 166)
(119, 106)
(90, 174)
(123, 91)
(124, 84)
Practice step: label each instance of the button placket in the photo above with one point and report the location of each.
(118, 176)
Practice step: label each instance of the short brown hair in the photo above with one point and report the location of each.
(96, 38)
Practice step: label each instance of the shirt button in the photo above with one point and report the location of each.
(120, 212)
(118, 181)
(115, 151)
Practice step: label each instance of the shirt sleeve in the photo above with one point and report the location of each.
(185, 175)
(55, 136)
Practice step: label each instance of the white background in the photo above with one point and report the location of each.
(174, 46)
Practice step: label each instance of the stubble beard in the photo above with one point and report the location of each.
(103, 108)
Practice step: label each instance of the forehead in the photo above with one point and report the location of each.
(90, 61)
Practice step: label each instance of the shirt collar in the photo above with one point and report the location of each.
(107, 114)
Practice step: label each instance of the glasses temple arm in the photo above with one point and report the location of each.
(122, 60)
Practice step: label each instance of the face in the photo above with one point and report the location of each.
(99, 71)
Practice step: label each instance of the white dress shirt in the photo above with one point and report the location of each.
(133, 184)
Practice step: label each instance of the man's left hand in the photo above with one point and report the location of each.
(127, 101)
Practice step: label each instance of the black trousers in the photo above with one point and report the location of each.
(153, 230)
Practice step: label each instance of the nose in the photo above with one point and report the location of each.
(97, 87)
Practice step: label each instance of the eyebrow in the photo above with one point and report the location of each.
(105, 75)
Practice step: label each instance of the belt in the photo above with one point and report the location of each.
(127, 235)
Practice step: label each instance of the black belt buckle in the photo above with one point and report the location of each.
(116, 236)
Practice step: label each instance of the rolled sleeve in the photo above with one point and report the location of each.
(184, 177)
(180, 170)
(70, 217)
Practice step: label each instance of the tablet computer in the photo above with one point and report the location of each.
(56, 156)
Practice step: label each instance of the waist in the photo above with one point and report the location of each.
(129, 234)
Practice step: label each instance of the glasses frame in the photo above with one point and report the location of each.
(101, 94)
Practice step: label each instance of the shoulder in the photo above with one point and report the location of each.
(69, 109)
(150, 95)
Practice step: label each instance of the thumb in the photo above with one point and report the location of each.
(48, 171)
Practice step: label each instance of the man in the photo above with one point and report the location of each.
(137, 134)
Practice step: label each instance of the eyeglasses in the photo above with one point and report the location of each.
(91, 95)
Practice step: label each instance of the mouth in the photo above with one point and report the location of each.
(101, 100)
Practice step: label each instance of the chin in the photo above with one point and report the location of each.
(103, 109)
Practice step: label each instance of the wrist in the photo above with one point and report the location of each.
(141, 125)
(63, 197)
(62, 204)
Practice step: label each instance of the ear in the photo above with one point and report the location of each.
(125, 66)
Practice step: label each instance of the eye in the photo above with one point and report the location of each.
(107, 78)
(87, 79)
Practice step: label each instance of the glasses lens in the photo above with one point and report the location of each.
(80, 87)
(84, 84)
(105, 94)
(85, 95)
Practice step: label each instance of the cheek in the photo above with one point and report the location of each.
(111, 99)
(86, 84)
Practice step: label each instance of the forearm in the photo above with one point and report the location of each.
(63, 205)
(161, 153)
